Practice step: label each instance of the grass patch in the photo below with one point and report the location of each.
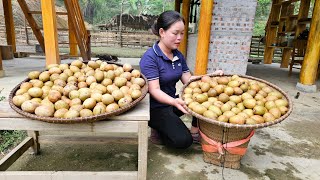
(2, 97)
(125, 52)
(10, 139)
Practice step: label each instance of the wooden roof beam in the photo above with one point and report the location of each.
(40, 12)
(1, 68)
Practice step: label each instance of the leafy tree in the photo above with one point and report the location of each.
(262, 15)
(101, 11)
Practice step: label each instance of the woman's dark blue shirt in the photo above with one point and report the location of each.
(154, 64)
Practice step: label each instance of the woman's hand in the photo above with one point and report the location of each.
(180, 104)
(193, 77)
(218, 72)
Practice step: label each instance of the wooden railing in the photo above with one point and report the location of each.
(99, 38)
(257, 50)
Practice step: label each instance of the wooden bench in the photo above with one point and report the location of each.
(135, 121)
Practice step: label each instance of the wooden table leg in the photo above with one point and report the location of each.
(142, 150)
(36, 144)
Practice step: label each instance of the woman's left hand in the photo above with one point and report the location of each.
(218, 72)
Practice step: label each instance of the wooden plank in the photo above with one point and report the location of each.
(142, 150)
(50, 31)
(40, 12)
(69, 175)
(14, 154)
(203, 37)
(72, 139)
(310, 63)
(8, 18)
(185, 14)
(100, 126)
(1, 67)
(32, 23)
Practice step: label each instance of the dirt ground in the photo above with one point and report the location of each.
(289, 150)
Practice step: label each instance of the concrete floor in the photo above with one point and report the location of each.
(289, 150)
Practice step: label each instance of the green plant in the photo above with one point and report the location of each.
(2, 97)
(10, 139)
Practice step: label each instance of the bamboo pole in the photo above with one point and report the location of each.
(271, 32)
(204, 37)
(120, 26)
(177, 5)
(185, 14)
(72, 38)
(1, 68)
(311, 60)
(50, 31)
(8, 18)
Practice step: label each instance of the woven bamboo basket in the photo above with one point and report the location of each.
(226, 132)
(90, 119)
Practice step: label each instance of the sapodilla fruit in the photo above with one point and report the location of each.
(223, 118)
(237, 119)
(249, 103)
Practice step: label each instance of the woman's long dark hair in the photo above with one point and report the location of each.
(165, 20)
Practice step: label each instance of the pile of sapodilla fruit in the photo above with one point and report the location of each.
(79, 89)
(235, 100)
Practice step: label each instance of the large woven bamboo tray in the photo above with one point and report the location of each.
(245, 126)
(144, 91)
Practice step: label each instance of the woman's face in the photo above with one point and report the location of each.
(173, 36)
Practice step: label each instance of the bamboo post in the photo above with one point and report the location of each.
(26, 31)
(120, 27)
(8, 18)
(271, 33)
(303, 13)
(50, 31)
(204, 37)
(185, 14)
(72, 39)
(286, 54)
(1, 68)
(177, 5)
(311, 60)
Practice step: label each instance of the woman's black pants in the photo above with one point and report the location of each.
(173, 132)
